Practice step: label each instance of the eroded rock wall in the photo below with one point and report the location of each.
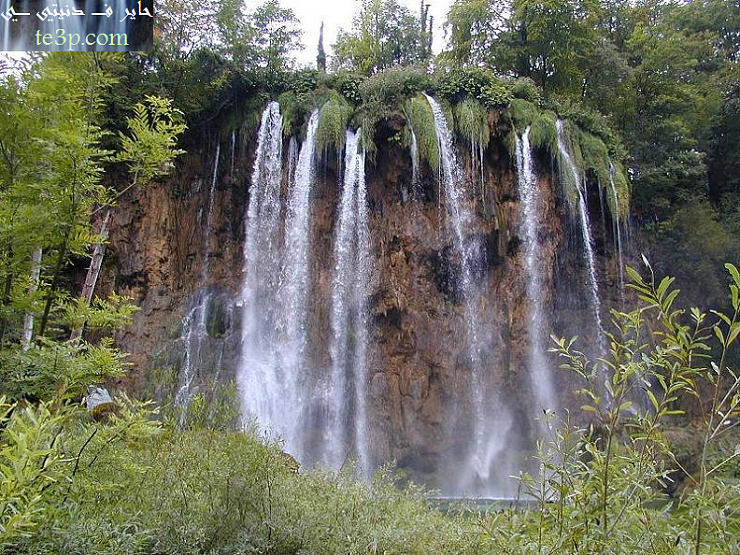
(418, 363)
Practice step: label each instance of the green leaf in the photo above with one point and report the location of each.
(633, 275)
(652, 398)
(665, 283)
(734, 332)
(721, 316)
(719, 334)
(734, 273)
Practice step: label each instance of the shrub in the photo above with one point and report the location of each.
(347, 83)
(596, 485)
(596, 158)
(473, 82)
(365, 120)
(568, 181)
(589, 120)
(420, 119)
(333, 119)
(298, 82)
(393, 86)
(526, 89)
(495, 94)
(471, 120)
(544, 133)
(619, 207)
(30, 463)
(296, 109)
(523, 113)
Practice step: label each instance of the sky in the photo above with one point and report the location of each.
(338, 14)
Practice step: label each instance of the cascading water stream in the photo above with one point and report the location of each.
(233, 154)
(209, 215)
(415, 180)
(362, 317)
(532, 208)
(346, 391)
(271, 351)
(194, 328)
(295, 277)
(617, 230)
(292, 158)
(488, 439)
(586, 234)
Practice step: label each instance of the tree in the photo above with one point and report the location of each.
(385, 34)
(52, 175)
(149, 149)
(474, 27)
(550, 41)
(321, 55)
(275, 35)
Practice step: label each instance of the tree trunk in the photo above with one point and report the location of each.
(7, 292)
(28, 320)
(93, 271)
(55, 281)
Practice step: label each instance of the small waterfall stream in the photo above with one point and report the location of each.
(490, 419)
(586, 234)
(194, 328)
(347, 421)
(532, 208)
(295, 278)
(617, 230)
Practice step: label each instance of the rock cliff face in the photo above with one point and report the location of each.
(418, 363)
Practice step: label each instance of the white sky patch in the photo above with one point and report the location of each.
(338, 14)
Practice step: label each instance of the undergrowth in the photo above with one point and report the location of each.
(129, 482)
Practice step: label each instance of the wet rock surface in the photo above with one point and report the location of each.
(418, 363)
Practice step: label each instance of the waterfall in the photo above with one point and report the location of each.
(233, 151)
(586, 235)
(194, 330)
(532, 208)
(292, 157)
(490, 419)
(477, 152)
(415, 180)
(209, 216)
(277, 285)
(295, 274)
(617, 231)
(271, 357)
(347, 422)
